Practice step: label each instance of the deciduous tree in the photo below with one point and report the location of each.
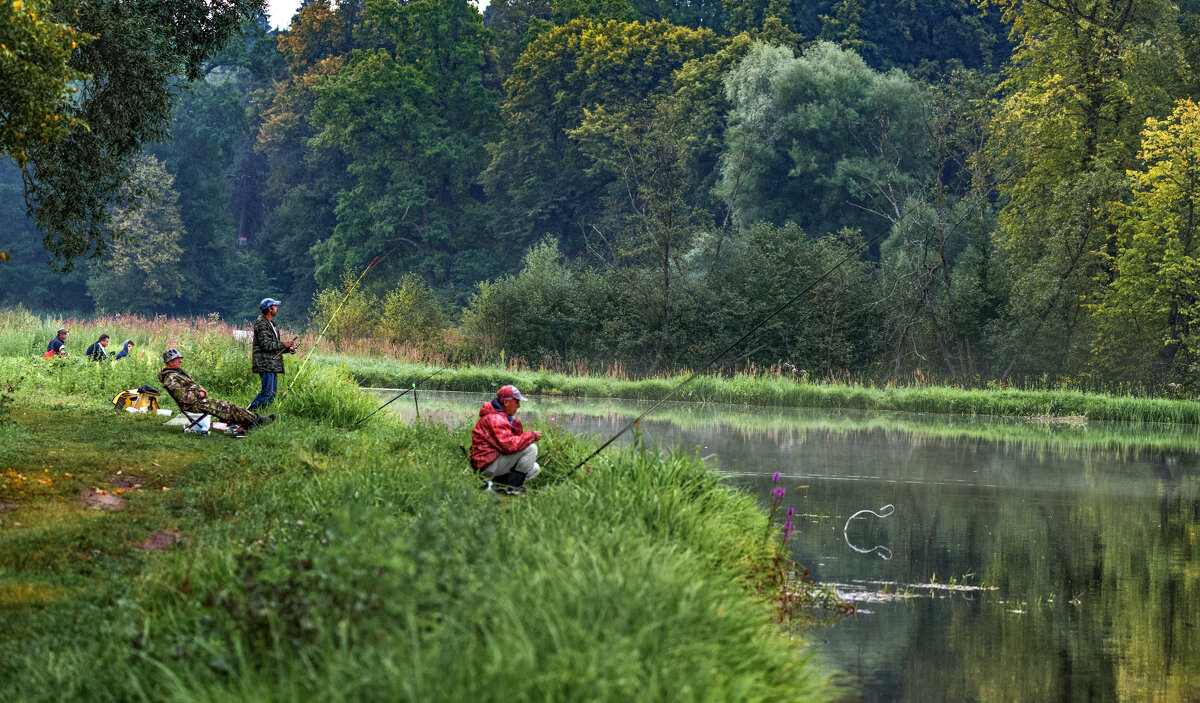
(141, 271)
(36, 79)
(1083, 80)
(414, 127)
(1149, 312)
(537, 171)
(821, 140)
(144, 53)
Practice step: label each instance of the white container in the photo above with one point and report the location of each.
(164, 412)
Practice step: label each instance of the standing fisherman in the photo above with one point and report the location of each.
(268, 353)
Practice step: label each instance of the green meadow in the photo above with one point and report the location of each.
(312, 561)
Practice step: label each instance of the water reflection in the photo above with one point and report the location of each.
(1029, 562)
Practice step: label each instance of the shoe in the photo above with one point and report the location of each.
(261, 420)
(504, 489)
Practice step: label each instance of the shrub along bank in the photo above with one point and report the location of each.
(766, 389)
(310, 561)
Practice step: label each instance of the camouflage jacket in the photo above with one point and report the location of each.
(267, 347)
(182, 388)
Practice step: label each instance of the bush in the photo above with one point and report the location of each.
(345, 312)
(411, 313)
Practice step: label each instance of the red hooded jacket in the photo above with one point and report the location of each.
(495, 435)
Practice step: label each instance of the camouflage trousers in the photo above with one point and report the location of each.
(225, 411)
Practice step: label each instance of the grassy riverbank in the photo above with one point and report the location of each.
(23, 336)
(760, 389)
(1066, 436)
(309, 561)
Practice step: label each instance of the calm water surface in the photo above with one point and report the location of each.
(1021, 561)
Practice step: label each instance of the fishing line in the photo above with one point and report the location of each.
(727, 349)
(414, 386)
(879, 548)
(333, 317)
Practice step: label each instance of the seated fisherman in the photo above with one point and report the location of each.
(125, 349)
(96, 351)
(192, 397)
(500, 447)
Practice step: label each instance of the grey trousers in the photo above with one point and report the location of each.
(524, 461)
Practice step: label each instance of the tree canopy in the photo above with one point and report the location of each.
(1003, 187)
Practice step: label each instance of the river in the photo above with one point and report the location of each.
(1020, 560)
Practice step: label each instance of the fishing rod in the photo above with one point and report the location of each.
(281, 351)
(725, 351)
(414, 386)
(345, 298)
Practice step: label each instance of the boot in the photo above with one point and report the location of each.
(507, 484)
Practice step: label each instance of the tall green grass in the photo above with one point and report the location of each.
(212, 356)
(748, 389)
(628, 585)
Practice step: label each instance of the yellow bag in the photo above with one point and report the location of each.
(144, 399)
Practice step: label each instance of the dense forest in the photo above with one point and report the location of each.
(997, 190)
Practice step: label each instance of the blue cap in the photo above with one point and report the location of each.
(267, 302)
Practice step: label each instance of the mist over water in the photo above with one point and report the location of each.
(1022, 561)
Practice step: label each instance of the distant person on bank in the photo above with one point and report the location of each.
(125, 349)
(267, 358)
(500, 447)
(55, 347)
(96, 352)
(192, 397)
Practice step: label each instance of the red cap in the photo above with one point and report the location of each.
(509, 392)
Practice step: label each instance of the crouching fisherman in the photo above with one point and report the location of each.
(500, 447)
(192, 397)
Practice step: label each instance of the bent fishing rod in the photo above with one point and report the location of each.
(725, 351)
(406, 391)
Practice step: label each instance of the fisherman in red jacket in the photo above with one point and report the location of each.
(500, 447)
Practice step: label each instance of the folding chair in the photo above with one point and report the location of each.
(194, 419)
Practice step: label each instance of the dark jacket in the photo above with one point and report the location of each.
(496, 433)
(56, 346)
(267, 347)
(96, 351)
